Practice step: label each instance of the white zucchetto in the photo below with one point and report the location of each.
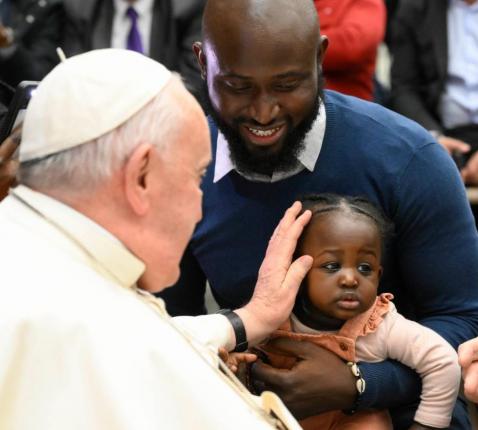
(86, 96)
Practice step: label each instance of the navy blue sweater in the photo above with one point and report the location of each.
(430, 265)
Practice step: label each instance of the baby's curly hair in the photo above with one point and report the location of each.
(320, 204)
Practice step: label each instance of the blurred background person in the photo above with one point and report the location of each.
(30, 31)
(355, 29)
(391, 6)
(435, 73)
(6, 94)
(164, 30)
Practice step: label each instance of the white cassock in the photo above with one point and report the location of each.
(82, 348)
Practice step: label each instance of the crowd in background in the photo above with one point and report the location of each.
(433, 76)
(433, 80)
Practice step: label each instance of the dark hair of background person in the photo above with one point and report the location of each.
(36, 28)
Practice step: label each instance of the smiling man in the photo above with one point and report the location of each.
(277, 135)
(268, 133)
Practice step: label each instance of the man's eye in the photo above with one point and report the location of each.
(331, 267)
(238, 88)
(365, 268)
(287, 86)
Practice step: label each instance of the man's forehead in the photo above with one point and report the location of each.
(261, 58)
(260, 9)
(242, 23)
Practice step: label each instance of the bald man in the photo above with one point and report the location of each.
(277, 134)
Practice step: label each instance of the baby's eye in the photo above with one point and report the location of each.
(365, 268)
(331, 266)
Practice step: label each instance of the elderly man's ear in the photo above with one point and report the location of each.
(137, 178)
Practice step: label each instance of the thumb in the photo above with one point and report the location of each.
(455, 145)
(460, 146)
(468, 352)
(9, 145)
(296, 273)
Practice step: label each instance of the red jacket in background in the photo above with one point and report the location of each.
(355, 28)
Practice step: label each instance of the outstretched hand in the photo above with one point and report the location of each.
(8, 166)
(279, 278)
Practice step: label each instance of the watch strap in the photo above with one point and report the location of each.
(238, 327)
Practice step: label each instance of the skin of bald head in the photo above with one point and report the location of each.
(261, 61)
(151, 199)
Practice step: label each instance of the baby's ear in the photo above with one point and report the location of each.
(380, 271)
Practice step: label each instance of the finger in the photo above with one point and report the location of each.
(470, 385)
(289, 217)
(296, 273)
(281, 249)
(249, 358)
(468, 353)
(9, 145)
(469, 176)
(223, 354)
(451, 144)
(286, 240)
(472, 164)
(8, 172)
(265, 377)
(459, 146)
(245, 357)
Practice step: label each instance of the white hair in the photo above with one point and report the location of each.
(84, 167)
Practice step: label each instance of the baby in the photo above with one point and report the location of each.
(337, 308)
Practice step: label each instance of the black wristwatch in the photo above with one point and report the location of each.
(238, 327)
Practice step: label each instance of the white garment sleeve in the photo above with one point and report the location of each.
(113, 372)
(212, 330)
(436, 362)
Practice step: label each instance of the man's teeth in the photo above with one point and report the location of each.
(263, 133)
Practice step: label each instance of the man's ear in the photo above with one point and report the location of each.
(200, 58)
(323, 45)
(137, 173)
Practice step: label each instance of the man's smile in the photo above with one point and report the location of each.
(263, 136)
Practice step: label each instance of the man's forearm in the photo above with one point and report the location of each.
(389, 384)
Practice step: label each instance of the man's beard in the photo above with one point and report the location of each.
(262, 160)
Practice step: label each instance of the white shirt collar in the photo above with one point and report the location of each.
(464, 5)
(142, 7)
(306, 159)
(96, 242)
